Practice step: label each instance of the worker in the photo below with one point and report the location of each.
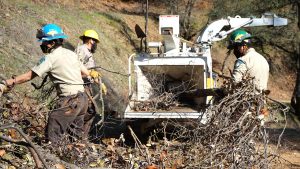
(248, 60)
(65, 71)
(85, 51)
(90, 39)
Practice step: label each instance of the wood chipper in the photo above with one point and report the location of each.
(176, 79)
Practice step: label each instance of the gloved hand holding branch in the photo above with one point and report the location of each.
(95, 74)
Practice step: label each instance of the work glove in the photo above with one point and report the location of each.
(94, 74)
(103, 89)
(3, 88)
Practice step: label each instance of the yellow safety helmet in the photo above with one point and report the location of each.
(91, 34)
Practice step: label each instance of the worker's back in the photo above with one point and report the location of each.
(257, 67)
(65, 71)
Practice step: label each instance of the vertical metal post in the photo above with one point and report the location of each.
(146, 25)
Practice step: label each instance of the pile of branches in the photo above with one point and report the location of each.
(234, 136)
(228, 139)
(164, 101)
(164, 94)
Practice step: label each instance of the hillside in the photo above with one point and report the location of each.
(20, 50)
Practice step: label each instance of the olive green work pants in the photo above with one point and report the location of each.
(67, 118)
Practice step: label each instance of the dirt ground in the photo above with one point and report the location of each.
(288, 133)
(289, 149)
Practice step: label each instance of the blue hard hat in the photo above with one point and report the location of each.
(50, 32)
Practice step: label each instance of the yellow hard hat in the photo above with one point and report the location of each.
(91, 34)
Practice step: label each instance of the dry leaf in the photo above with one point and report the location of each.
(111, 148)
(12, 133)
(109, 141)
(163, 155)
(106, 141)
(80, 145)
(101, 163)
(2, 152)
(70, 146)
(177, 162)
(264, 111)
(93, 164)
(152, 167)
(7, 156)
(59, 166)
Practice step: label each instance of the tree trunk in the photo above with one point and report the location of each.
(295, 102)
(172, 6)
(186, 23)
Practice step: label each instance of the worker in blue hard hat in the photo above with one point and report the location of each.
(65, 70)
(248, 60)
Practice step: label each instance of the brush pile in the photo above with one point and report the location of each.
(234, 136)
